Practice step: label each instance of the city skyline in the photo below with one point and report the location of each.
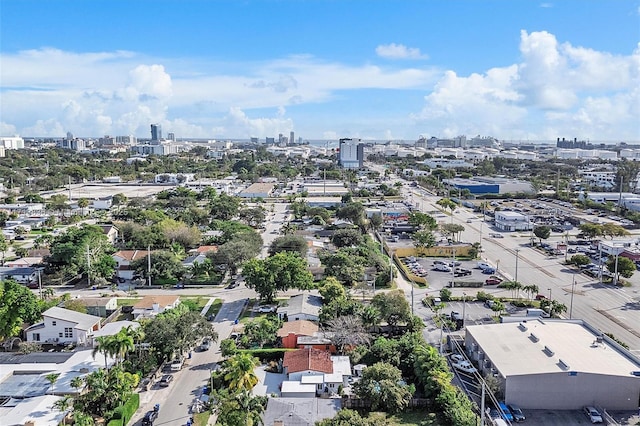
(526, 70)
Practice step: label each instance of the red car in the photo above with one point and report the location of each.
(540, 297)
(493, 281)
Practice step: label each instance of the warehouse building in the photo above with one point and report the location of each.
(481, 185)
(555, 364)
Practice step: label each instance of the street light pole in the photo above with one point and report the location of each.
(464, 307)
(517, 257)
(549, 294)
(573, 286)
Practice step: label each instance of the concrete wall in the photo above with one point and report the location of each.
(562, 391)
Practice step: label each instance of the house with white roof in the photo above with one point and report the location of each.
(60, 325)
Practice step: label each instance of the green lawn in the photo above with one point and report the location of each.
(415, 418)
(128, 301)
(201, 419)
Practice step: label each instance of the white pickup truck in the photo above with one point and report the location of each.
(176, 364)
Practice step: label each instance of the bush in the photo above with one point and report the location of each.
(124, 413)
(266, 355)
(483, 296)
(445, 295)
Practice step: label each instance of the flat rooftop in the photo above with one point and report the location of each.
(519, 348)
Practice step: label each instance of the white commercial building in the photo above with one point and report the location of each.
(12, 142)
(555, 364)
(512, 221)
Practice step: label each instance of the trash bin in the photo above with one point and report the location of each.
(235, 322)
(189, 355)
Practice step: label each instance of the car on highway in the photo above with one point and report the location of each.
(593, 414)
(492, 281)
(165, 380)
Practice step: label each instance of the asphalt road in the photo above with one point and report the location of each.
(613, 310)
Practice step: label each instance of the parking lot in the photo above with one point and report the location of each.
(441, 271)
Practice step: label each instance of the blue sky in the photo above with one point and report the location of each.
(374, 69)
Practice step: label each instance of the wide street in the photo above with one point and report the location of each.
(610, 309)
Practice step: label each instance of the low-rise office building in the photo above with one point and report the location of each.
(555, 364)
(512, 221)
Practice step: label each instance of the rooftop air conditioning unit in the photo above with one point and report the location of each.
(534, 338)
(547, 350)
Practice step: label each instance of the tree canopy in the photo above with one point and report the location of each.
(279, 272)
(18, 305)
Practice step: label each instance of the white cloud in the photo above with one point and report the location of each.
(399, 51)
(557, 89)
(546, 5)
(554, 89)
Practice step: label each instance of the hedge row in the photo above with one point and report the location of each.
(125, 412)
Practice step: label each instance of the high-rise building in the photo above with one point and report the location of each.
(292, 139)
(351, 154)
(156, 132)
(171, 136)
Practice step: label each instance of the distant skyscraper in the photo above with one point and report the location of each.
(292, 139)
(351, 155)
(171, 136)
(69, 136)
(156, 132)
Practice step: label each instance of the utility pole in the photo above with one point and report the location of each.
(88, 268)
(149, 263)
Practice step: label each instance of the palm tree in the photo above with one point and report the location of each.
(253, 407)
(77, 383)
(105, 346)
(63, 405)
(83, 203)
(122, 343)
(531, 290)
(137, 334)
(239, 371)
(52, 378)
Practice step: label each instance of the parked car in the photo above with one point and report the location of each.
(506, 413)
(149, 418)
(455, 358)
(165, 380)
(454, 263)
(493, 281)
(232, 284)
(205, 345)
(461, 272)
(465, 366)
(518, 415)
(442, 268)
(593, 414)
(266, 309)
(489, 271)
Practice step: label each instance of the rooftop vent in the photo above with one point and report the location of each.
(635, 373)
(522, 326)
(563, 364)
(547, 350)
(533, 337)
(599, 339)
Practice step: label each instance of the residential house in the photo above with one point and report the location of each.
(60, 325)
(150, 306)
(292, 330)
(24, 262)
(301, 307)
(23, 275)
(113, 328)
(312, 372)
(124, 259)
(100, 306)
(111, 232)
(299, 411)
